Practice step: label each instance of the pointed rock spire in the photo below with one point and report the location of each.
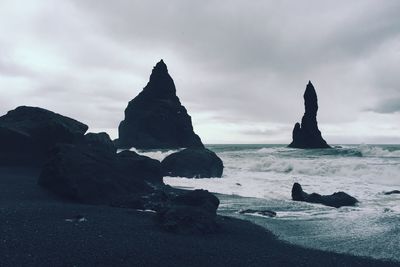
(156, 118)
(307, 134)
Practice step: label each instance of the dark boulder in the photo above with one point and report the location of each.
(392, 192)
(336, 200)
(86, 174)
(190, 212)
(28, 133)
(156, 119)
(307, 134)
(143, 168)
(193, 163)
(101, 141)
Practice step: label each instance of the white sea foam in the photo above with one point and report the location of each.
(267, 174)
(155, 154)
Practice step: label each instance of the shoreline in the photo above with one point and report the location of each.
(35, 232)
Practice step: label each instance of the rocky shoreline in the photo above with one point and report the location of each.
(40, 230)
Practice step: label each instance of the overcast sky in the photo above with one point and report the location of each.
(240, 67)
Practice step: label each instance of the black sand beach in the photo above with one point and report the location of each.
(34, 232)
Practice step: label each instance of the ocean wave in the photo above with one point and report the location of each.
(378, 151)
(344, 151)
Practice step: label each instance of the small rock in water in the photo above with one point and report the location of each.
(392, 192)
(193, 163)
(238, 184)
(336, 200)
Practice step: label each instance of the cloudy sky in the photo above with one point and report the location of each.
(240, 67)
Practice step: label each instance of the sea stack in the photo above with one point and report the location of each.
(307, 135)
(156, 119)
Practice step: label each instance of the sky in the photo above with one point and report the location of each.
(240, 67)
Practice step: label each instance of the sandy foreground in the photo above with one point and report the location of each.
(37, 229)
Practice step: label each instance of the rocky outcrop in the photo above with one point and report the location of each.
(100, 140)
(156, 119)
(307, 134)
(193, 163)
(94, 175)
(28, 133)
(336, 200)
(392, 192)
(191, 212)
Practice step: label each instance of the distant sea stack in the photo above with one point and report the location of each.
(156, 119)
(307, 135)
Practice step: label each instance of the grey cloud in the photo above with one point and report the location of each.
(388, 106)
(237, 62)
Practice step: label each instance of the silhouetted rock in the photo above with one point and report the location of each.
(100, 140)
(140, 167)
(307, 135)
(28, 133)
(87, 174)
(336, 200)
(191, 212)
(392, 192)
(155, 118)
(193, 163)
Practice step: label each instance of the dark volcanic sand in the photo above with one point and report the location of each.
(33, 232)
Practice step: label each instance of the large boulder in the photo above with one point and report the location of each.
(193, 163)
(307, 134)
(28, 133)
(156, 119)
(191, 212)
(143, 168)
(100, 140)
(93, 175)
(336, 200)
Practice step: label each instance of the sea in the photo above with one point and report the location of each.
(261, 177)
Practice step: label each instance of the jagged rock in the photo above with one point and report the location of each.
(336, 200)
(191, 212)
(28, 133)
(307, 135)
(193, 163)
(86, 174)
(155, 118)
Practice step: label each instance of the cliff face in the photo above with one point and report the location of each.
(307, 134)
(156, 118)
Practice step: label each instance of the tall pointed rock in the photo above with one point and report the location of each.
(156, 118)
(307, 135)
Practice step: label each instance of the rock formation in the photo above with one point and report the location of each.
(336, 200)
(99, 140)
(96, 175)
(307, 135)
(392, 192)
(190, 212)
(155, 118)
(28, 133)
(193, 163)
